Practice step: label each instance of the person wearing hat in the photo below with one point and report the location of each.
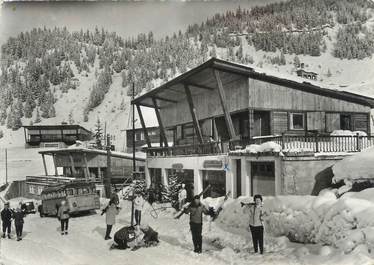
(196, 211)
(18, 221)
(182, 196)
(138, 207)
(6, 218)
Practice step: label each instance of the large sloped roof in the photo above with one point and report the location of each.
(202, 78)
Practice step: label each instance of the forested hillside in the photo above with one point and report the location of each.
(39, 67)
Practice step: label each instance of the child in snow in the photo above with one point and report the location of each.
(138, 207)
(110, 216)
(6, 218)
(63, 215)
(18, 221)
(182, 196)
(196, 211)
(256, 214)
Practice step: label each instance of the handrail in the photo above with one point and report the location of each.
(315, 143)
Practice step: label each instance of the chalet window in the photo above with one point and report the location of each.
(188, 130)
(345, 122)
(297, 121)
(139, 136)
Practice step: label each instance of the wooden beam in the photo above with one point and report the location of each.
(145, 130)
(165, 99)
(72, 165)
(193, 114)
(199, 86)
(251, 122)
(45, 165)
(54, 163)
(160, 124)
(86, 167)
(226, 113)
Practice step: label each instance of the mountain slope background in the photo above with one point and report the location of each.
(49, 76)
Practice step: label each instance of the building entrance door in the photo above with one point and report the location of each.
(263, 178)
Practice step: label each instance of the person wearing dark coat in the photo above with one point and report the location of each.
(6, 218)
(63, 214)
(196, 211)
(18, 216)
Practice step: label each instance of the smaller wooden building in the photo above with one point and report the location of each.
(55, 136)
(79, 163)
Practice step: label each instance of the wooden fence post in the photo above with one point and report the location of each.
(358, 142)
(283, 141)
(316, 141)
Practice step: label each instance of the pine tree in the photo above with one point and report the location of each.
(173, 189)
(37, 117)
(98, 134)
(296, 61)
(71, 118)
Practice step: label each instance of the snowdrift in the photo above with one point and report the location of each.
(346, 223)
(355, 167)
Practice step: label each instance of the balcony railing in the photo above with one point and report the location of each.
(313, 143)
(210, 148)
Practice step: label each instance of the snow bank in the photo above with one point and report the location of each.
(358, 166)
(266, 147)
(347, 133)
(346, 223)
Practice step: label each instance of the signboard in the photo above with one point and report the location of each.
(213, 164)
(177, 166)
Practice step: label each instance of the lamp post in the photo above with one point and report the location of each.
(133, 152)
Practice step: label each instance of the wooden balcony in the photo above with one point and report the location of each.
(312, 143)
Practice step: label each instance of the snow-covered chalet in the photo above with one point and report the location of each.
(245, 131)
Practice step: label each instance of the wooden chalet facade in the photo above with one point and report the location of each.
(221, 105)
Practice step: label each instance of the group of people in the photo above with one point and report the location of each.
(255, 213)
(138, 235)
(7, 215)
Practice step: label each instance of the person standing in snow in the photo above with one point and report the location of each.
(138, 207)
(6, 218)
(256, 214)
(182, 196)
(18, 216)
(110, 217)
(196, 211)
(63, 215)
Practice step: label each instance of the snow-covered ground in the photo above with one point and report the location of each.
(226, 241)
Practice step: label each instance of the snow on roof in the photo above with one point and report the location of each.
(355, 167)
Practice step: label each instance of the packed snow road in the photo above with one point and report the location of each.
(85, 244)
(225, 241)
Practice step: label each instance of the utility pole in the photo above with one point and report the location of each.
(6, 166)
(133, 153)
(108, 179)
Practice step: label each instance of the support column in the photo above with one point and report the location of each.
(54, 163)
(226, 113)
(197, 181)
(231, 179)
(87, 174)
(251, 122)
(160, 124)
(246, 178)
(193, 114)
(146, 136)
(45, 165)
(164, 177)
(147, 176)
(72, 165)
